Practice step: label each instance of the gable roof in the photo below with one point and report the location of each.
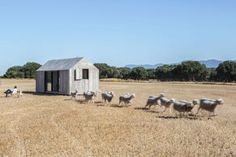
(60, 64)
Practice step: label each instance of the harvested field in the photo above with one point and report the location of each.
(46, 125)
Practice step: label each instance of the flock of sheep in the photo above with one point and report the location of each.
(106, 97)
(181, 106)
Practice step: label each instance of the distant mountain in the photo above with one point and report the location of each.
(146, 66)
(211, 63)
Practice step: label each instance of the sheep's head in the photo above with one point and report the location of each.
(195, 102)
(133, 95)
(94, 94)
(172, 100)
(162, 95)
(112, 93)
(220, 101)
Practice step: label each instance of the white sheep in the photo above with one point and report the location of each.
(107, 96)
(184, 106)
(166, 103)
(209, 105)
(126, 99)
(153, 100)
(89, 96)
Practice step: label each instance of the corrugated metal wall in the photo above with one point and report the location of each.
(40, 81)
(64, 83)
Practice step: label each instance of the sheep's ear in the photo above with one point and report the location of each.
(162, 94)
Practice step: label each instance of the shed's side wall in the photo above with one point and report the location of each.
(83, 85)
(64, 82)
(40, 81)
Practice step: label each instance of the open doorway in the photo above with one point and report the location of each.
(52, 81)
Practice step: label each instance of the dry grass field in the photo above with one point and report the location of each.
(44, 125)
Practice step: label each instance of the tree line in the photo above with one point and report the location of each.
(186, 71)
(28, 70)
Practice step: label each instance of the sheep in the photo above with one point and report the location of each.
(126, 99)
(166, 103)
(107, 96)
(184, 106)
(153, 100)
(189, 105)
(89, 96)
(74, 94)
(209, 105)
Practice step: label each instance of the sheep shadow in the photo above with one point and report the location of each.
(100, 103)
(42, 94)
(141, 108)
(179, 117)
(189, 116)
(118, 106)
(146, 110)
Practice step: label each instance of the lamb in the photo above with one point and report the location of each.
(166, 103)
(107, 96)
(153, 100)
(126, 99)
(209, 105)
(74, 94)
(89, 96)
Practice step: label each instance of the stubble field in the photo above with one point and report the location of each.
(43, 125)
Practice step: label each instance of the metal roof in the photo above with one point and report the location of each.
(60, 64)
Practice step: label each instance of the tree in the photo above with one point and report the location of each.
(226, 71)
(164, 72)
(138, 73)
(30, 69)
(212, 74)
(26, 71)
(190, 71)
(124, 73)
(104, 70)
(14, 72)
(151, 74)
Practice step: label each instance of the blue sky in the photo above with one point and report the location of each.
(116, 32)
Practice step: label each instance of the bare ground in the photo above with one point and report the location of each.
(43, 125)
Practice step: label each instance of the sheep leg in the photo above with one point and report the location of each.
(199, 108)
(214, 114)
(164, 109)
(146, 105)
(209, 117)
(170, 110)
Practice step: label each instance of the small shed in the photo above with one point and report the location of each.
(64, 76)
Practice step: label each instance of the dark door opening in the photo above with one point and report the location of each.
(52, 81)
